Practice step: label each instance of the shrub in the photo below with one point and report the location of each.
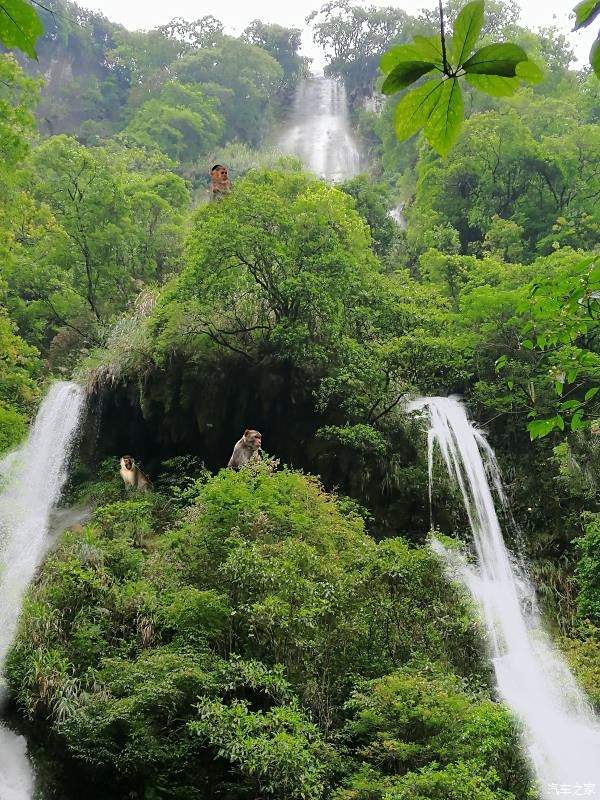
(211, 650)
(587, 572)
(418, 734)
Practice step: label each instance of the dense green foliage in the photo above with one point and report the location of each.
(283, 44)
(587, 572)
(103, 222)
(180, 88)
(211, 641)
(19, 366)
(270, 634)
(181, 122)
(384, 715)
(515, 165)
(562, 327)
(19, 361)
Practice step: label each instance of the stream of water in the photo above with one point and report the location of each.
(320, 134)
(32, 479)
(319, 130)
(561, 731)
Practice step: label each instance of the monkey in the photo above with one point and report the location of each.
(133, 476)
(246, 450)
(220, 185)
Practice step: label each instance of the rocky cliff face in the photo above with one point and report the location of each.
(186, 409)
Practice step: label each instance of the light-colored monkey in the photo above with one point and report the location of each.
(133, 476)
(246, 450)
(220, 185)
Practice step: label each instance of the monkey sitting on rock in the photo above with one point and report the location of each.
(133, 476)
(247, 449)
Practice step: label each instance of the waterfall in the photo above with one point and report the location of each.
(397, 214)
(32, 479)
(561, 732)
(319, 131)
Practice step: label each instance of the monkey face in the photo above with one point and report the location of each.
(219, 175)
(127, 462)
(253, 439)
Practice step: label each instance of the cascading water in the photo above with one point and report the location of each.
(560, 730)
(32, 479)
(319, 131)
(397, 214)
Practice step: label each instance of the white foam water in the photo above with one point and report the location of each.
(16, 775)
(560, 730)
(32, 479)
(397, 214)
(319, 130)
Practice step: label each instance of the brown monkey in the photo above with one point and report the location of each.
(246, 450)
(133, 476)
(220, 185)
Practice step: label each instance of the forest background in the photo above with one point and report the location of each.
(271, 634)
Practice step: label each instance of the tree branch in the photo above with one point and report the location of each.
(443, 38)
(66, 324)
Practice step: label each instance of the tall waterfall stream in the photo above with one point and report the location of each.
(31, 482)
(319, 131)
(320, 134)
(561, 732)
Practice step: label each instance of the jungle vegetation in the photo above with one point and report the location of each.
(287, 633)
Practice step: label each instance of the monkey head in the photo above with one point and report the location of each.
(252, 439)
(127, 462)
(219, 176)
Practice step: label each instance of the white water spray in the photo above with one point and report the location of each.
(561, 731)
(319, 131)
(397, 214)
(32, 481)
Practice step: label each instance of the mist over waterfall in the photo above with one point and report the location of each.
(561, 732)
(319, 130)
(32, 479)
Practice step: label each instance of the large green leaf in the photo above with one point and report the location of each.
(495, 85)
(405, 73)
(496, 59)
(430, 48)
(541, 427)
(415, 108)
(595, 56)
(422, 48)
(20, 26)
(443, 125)
(500, 86)
(398, 54)
(467, 28)
(529, 71)
(586, 12)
